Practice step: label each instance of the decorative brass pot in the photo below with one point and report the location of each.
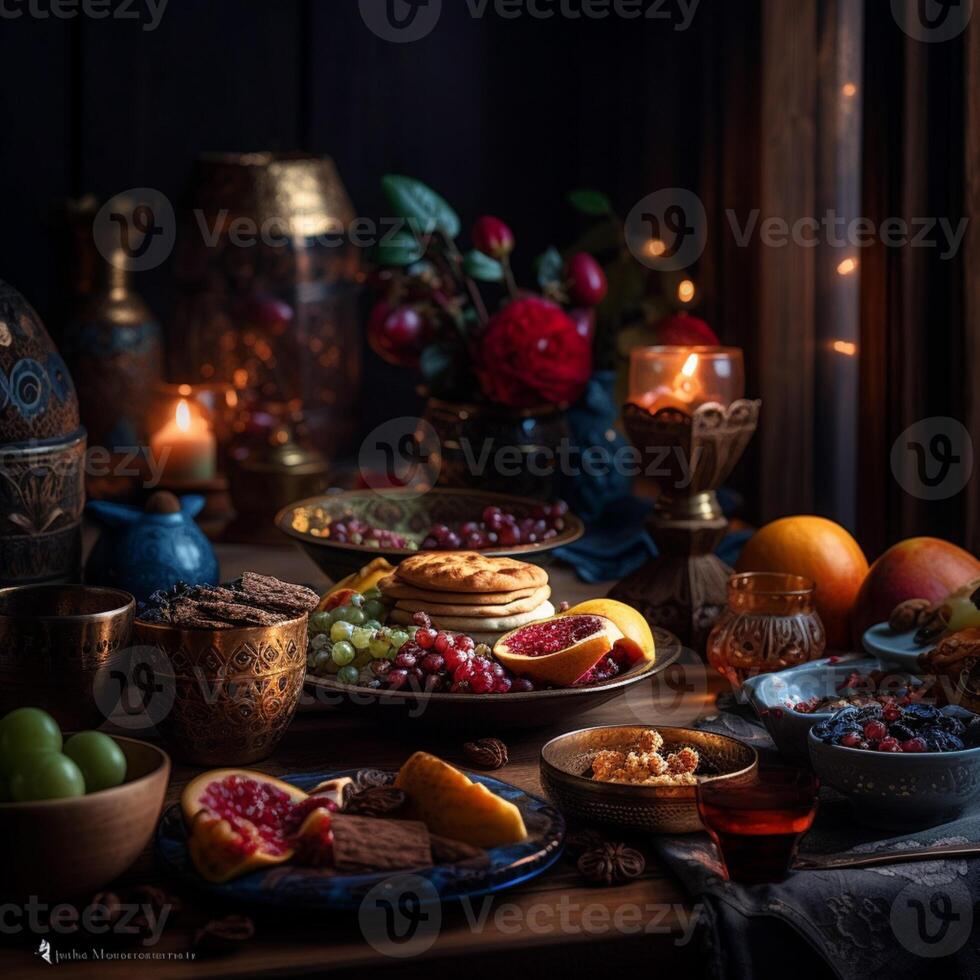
(236, 690)
(54, 639)
(267, 287)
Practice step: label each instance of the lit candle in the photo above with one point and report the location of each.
(683, 393)
(685, 378)
(185, 447)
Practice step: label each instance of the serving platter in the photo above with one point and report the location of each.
(313, 889)
(530, 709)
(411, 514)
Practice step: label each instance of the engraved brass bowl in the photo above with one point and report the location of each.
(408, 513)
(566, 761)
(235, 691)
(54, 640)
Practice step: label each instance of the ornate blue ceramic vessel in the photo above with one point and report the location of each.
(142, 551)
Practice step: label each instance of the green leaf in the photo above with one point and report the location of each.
(400, 247)
(594, 203)
(479, 266)
(549, 267)
(434, 362)
(419, 204)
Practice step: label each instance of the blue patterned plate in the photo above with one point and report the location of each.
(289, 885)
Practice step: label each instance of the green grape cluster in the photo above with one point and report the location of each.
(346, 640)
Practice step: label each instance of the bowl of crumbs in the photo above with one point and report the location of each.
(640, 778)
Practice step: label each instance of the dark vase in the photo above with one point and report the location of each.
(114, 350)
(505, 450)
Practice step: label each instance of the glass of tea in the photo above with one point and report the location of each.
(757, 825)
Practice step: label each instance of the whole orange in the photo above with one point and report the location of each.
(820, 550)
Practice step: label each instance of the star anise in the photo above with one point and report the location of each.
(611, 864)
(487, 753)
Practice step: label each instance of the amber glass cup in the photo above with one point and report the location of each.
(757, 825)
(770, 623)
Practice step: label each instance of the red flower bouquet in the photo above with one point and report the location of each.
(532, 352)
(459, 317)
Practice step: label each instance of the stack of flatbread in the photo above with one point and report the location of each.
(466, 592)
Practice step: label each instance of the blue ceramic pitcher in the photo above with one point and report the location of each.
(145, 550)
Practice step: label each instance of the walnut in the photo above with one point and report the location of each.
(908, 615)
(487, 753)
(611, 864)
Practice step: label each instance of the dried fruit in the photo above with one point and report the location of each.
(908, 615)
(224, 935)
(487, 753)
(452, 805)
(932, 624)
(375, 801)
(367, 778)
(611, 864)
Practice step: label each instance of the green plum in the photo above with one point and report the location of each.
(24, 733)
(100, 759)
(348, 675)
(51, 776)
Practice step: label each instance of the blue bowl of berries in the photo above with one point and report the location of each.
(901, 767)
(342, 531)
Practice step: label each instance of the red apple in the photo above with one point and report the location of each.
(684, 330)
(917, 568)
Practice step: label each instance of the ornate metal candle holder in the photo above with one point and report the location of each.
(688, 455)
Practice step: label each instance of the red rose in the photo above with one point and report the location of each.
(533, 352)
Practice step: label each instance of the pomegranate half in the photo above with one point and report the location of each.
(242, 820)
(558, 650)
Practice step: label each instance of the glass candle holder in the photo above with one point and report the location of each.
(757, 825)
(684, 378)
(770, 623)
(189, 427)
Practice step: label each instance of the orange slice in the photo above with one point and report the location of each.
(637, 636)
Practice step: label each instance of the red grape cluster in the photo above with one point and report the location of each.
(499, 528)
(352, 530)
(436, 661)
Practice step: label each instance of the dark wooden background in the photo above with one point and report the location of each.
(506, 117)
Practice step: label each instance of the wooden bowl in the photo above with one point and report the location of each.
(55, 640)
(411, 515)
(64, 849)
(566, 760)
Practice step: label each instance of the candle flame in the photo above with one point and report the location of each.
(690, 366)
(183, 416)
(845, 347)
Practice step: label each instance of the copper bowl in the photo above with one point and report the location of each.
(566, 760)
(234, 690)
(63, 849)
(54, 640)
(411, 515)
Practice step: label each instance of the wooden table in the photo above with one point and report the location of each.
(554, 923)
